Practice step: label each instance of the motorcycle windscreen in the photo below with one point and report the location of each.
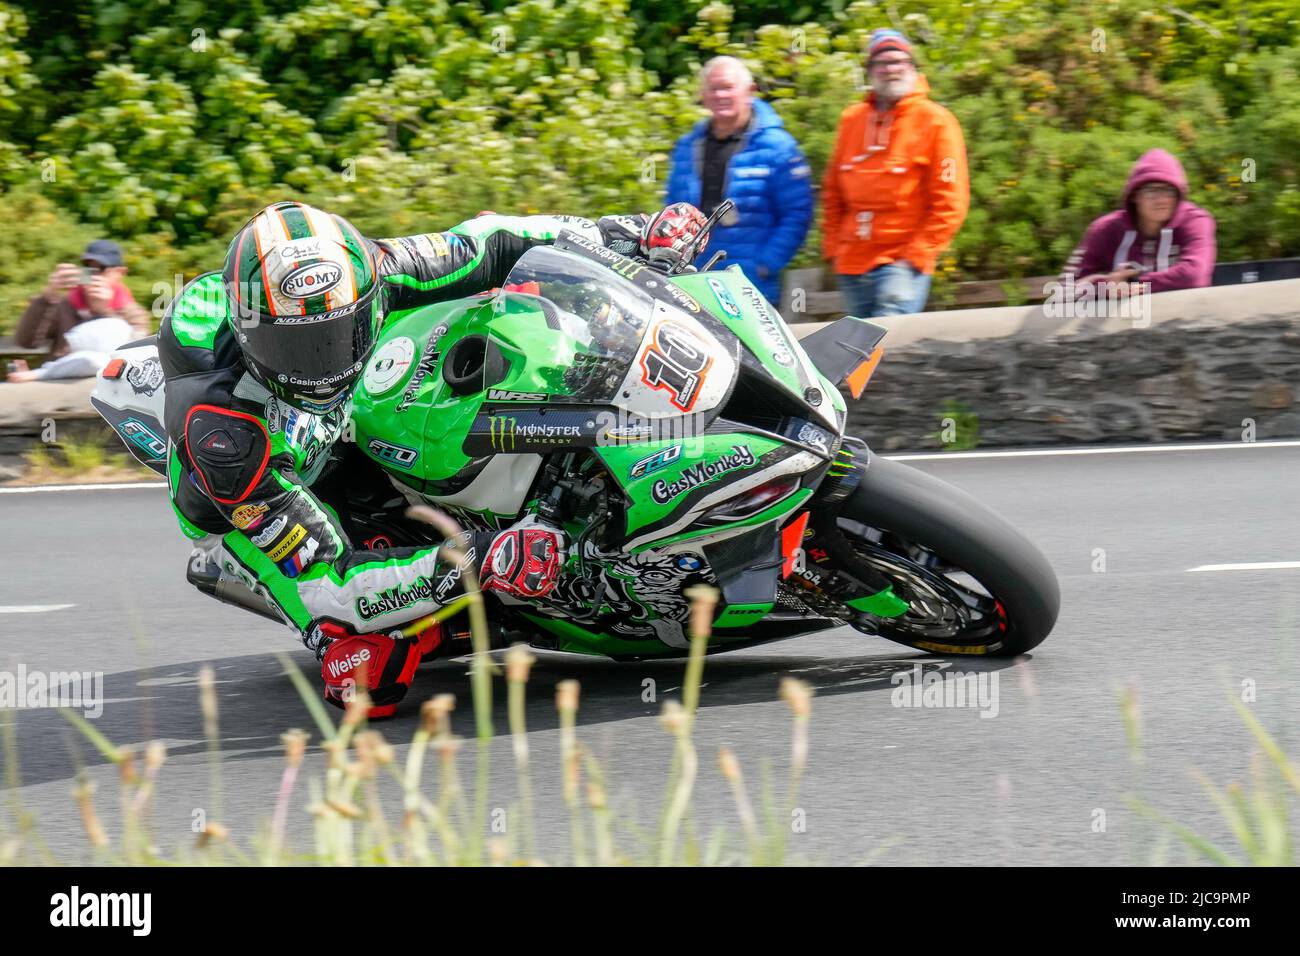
(587, 336)
(602, 340)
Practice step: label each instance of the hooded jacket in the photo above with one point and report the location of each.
(1181, 256)
(769, 181)
(905, 201)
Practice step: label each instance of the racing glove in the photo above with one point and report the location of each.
(665, 237)
(523, 561)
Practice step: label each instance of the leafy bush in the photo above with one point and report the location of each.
(167, 124)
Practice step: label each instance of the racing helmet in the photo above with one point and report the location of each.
(305, 303)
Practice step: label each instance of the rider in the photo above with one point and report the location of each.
(260, 362)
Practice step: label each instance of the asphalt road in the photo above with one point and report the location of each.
(896, 784)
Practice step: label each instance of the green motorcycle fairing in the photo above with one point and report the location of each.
(570, 357)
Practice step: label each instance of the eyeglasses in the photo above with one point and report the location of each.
(886, 64)
(1153, 190)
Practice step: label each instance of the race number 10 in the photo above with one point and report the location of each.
(676, 362)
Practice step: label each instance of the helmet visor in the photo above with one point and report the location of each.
(311, 361)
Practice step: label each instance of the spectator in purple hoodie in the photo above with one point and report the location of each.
(1158, 237)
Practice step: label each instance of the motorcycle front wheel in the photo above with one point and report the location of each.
(973, 583)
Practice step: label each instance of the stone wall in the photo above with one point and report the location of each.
(1206, 364)
(1209, 364)
(35, 411)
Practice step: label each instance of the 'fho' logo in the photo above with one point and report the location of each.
(398, 455)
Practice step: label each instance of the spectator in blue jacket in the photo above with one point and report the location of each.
(743, 153)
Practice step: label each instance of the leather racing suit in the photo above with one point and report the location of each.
(242, 462)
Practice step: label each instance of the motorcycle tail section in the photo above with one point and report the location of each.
(129, 396)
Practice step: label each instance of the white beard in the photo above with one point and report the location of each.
(893, 90)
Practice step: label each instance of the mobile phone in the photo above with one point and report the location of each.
(87, 275)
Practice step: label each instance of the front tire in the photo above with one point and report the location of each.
(933, 541)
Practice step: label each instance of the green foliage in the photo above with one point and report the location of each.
(959, 428)
(80, 458)
(166, 123)
(40, 234)
(15, 81)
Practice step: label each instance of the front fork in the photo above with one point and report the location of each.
(828, 575)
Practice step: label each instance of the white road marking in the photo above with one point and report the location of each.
(185, 680)
(31, 489)
(1256, 566)
(1118, 450)
(32, 608)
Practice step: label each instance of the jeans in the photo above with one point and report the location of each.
(892, 289)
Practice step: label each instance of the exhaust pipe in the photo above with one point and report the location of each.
(212, 580)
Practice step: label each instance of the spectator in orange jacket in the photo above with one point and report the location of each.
(896, 189)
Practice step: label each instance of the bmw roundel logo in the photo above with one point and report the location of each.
(688, 562)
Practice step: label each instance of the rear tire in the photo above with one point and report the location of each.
(962, 535)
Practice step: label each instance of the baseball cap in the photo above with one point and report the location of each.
(106, 252)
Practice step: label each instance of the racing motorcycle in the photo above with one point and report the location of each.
(672, 424)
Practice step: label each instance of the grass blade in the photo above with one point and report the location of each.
(315, 706)
(90, 733)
